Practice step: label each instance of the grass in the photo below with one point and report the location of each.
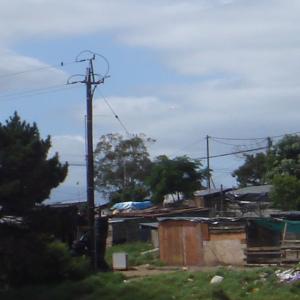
(237, 285)
(134, 250)
(257, 284)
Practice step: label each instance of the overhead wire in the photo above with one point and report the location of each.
(62, 64)
(253, 139)
(35, 92)
(115, 115)
(235, 152)
(238, 145)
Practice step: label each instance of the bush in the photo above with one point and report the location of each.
(29, 259)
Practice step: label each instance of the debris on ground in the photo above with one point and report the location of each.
(216, 279)
(151, 251)
(288, 276)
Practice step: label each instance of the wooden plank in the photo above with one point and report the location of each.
(291, 241)
(290, 248)
(285, 260)
(192, 244)
(204, 231)
(263, 253)
(264, 260)
(263, 248)
(170, 240)
(228, 236)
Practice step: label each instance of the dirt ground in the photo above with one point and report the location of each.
(147, 270)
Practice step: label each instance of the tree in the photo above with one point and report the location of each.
(253, 171)
(285, 173)
(181, 175)
(286, 157)
(279, 166)
(285, 193)
(121, 166)
(26, 174)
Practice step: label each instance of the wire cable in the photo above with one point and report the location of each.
(115, 115)
(233, 153)
(238, 145)
(36, 92)
(253, 139)
(62, 64)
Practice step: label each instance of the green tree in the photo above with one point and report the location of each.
(285, 193)
(286, 157)
(285, 173)
(279, 166)
(181, 175)
(121, 166)
(253, 171)
(26, 174)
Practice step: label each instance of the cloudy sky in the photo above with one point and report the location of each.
(180, 70)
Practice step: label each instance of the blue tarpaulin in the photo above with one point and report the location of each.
(132, 205)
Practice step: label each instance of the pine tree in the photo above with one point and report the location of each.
(27, 175)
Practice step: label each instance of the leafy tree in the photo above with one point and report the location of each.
(285, 173)
(285, 193)
(181, 175)
(279, 166)
(253, 171)
(121, 166)
(26, 174)
(286, 157)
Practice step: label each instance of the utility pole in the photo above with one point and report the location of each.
(269, 145)
(91, 84)
(207, 159)
(90, 163)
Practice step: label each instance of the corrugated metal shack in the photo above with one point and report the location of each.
(125, 226)
(249, 201)
(202, 241)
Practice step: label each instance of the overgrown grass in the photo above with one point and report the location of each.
(259, 284)
(134, 250)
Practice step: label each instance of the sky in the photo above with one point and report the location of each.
(179, 71)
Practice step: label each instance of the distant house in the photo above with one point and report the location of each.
(213, 199)
(249, 201)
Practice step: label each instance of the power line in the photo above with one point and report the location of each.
(253, 139)
(115, 115)
(77, 164)
(233, 153)
(238, 145)
(62, 64)
(36, 92)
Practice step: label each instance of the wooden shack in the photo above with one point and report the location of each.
(273, 241)
(201, 242)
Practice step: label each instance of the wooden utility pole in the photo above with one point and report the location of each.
(207, 159)
(91, 84)
(90, 164)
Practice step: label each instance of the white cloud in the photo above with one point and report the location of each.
(13, 65)
(243, 56)
(71, 148)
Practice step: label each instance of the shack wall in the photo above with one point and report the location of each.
(181, 243)
(225, 249)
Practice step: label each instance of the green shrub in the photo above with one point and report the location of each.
(79, 268)
(30, 259)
